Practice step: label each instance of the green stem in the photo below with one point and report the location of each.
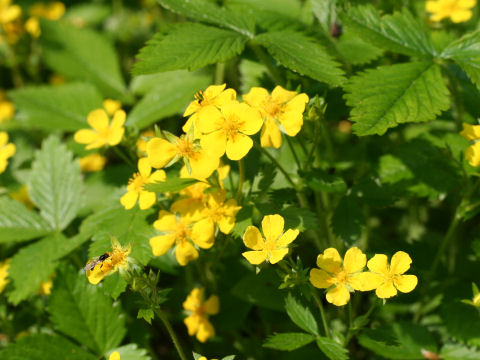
(123, 156)
(290, 145)
(219, 73)
(241, 179)
(262, 56)
(351, 327)
(277, 164)
(328, 141)
(318, 301)
(171, 332)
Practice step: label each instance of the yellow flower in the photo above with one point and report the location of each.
(281, 111)
(50, 11)
(226, 130)
(9, 12)
(389, 277)
(108, 263)
(162, 153)
(46, 287)
(199, 311)
(103, 133)
(22, 196)
(142, 142)
(4, 266)
(221, 211)
(7, 150)
(472, 133)
(183, 231)
(341, 279)
(92, 162)
(7, 110)
(114, 356)
(32, 26)
(111, 106)
(457, 10)
(135, 190)
(214, 95)
(275, 245)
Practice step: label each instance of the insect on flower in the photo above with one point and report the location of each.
(98, 260)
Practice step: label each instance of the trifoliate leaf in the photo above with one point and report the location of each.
(400, 32)
(301, 315)
(288, 341)
(82, 54)
(55, 183)
(332, 349)
(188, 46)
(387, 96)
(61, 107)
(289, 48)
(83, 312)
(43, 346)
(17, 223)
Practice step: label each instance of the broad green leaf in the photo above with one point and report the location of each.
(288, 341)
(466, 53)
(42, 347)
(320, 180)
(209, 12)
(171, 185)
(387, 96)
(188, 46)
(332, 349)
(17, 223)
(32, 265)
(82, 54)
(401, 340)
(55, 184)
(130, 227)
(114, 285)
(301, 54)
(171, 95)
(62, 107)
(84, 313)
(459, 352)
(460, 321)
(400, 32)
(355, 51)
(348, 220)
(131, 352)
(301, 315)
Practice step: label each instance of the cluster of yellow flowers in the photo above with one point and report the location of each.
(457, 10)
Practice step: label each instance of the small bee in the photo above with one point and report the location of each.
(199, 97)
(92, 263)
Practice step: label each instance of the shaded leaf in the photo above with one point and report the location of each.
(459, 352)
(332, 349)
(146, 314)
(288, 341)
(301, 315)
(320, 180)
(348, 220)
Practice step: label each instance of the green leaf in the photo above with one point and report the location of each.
(348, 220)
(460, 322)
(400, 32)
(332, 349)
(355, 51)
(459, 352)
(131, 352)
(320, 180)
(17, 223)
(387, 96)
(301, 54)
(82, 54)
(300, 315)
(399, 341)
(188, 46)
(207, 11)
(288, 341)
(129, 227)
(43, 346)
(55, 183)
(114, 285)
(170, 185)
(146, 314)
(466, 53)
(84, 313)
(38, 256)
(170, 96)
(62, 107)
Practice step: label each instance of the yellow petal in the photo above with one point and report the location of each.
(3, 138)
(205, 330)
(160, 152)
(272, 227)
(320, 279)
(185, 252)
(330, 261)
(157, 176)
(386, 290)
(161, 244)
(238, 146)
(224, 97)
(400, 262)
(214, 143)
(118, 119)
(459, 16)
(209, 119)
(95, 275)
(281, 96)
(194, 299)
(253, 239)
(98, 120)
(212, 305)
(354, 260)
(256, 96)
(115, 136)
(470, 132)
(213, 91)
(111, 106)
(467, 4)
(226, 224)
(203, 164)
(7, 151)
(202, 233)
(92, 162)
(144, 167)
(270, 135)
(365, 281)
(432, 6)
(251, 120)
(405, 283)
(339, 295)
(85, 136)
(166, 221)
(192, 323)
(472, 154)
(146, 200)
(98, 143)
(379, 264)
(255, 257)
(276, 255)
(114, 356)
(287, 237)
(129, 199)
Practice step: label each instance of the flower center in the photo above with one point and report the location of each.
(232, 126)
(273, 108)
(270, 245)
(185, 147)
(341, 277)
(181, 232)
(138, 181)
